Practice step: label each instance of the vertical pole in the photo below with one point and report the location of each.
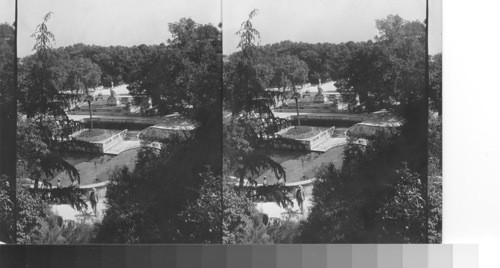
(90, 112)
(297, 107)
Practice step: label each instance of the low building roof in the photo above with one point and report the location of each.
(381, 122)
(169, 124)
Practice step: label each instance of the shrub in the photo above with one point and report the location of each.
(53, 231)
(285, 233)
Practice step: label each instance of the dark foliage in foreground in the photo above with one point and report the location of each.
(243, 224)
(159, 202)
(373, 198)
(174, 194)
(7, 116)
(32, 210)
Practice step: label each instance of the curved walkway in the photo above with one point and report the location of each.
(69, 213)
(273, 210)
(123, 146)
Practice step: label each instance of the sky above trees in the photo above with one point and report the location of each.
(110, 22)
(7, 10)
(115, 22)
(331, 21)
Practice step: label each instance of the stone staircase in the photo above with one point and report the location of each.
(328, 144)
(122, 146)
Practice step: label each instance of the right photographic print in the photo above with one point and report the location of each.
(332, 122)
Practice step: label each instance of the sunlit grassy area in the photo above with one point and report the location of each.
(100, 167)
(301, 132)
(303, 164)
(95, 134)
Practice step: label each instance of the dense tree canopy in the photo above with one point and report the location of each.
(31, 211)
(248, 102)
(290, 72)
(41, 77)
(436, 84)
(6, 60)
(8, 121)
(82, 75)
(435, 177)
(162, 200)
(388, 73)
(373, 198)
(42, 102)
(117, 64)
(7, 100)
(180, 78)
(384, 73)
(36, 158)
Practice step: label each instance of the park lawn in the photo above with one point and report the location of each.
(100, 167)
(283, 155)
(301, 132)
(295, 169)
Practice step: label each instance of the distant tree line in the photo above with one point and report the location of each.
(118, 64)
(384, 73)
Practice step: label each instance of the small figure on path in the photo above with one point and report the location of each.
(299, 194)
(58, 183)
(94, 198)
(264, 181)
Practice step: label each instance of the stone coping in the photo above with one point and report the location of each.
(95, 185)
(382, 124)
(290, 184)
(113, 137)
(76, 134)
(340, 117)
(98, 185)
(331, 129)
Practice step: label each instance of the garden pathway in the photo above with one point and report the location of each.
(122, 146)
(69, 213)
(328, 144)
(273, 210)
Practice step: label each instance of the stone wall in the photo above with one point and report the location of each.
(126, 120)
(333, 117)
(312, 142)
(92, 147)
(111, 141)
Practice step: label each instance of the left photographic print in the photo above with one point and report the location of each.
(118, 123)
